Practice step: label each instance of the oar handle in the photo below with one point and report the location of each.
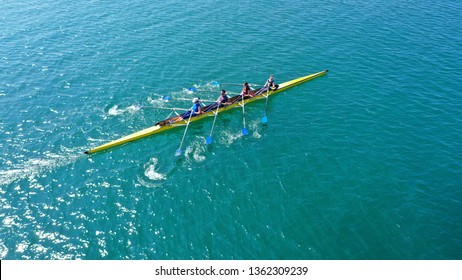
(206, 100)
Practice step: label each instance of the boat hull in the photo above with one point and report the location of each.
(160, 128)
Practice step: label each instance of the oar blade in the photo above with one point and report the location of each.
(208, 140)
(264, 120)
(244, 131)
(178, 152)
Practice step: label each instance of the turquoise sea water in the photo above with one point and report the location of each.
(363, 163)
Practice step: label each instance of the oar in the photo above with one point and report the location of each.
(236, 84)
(194, 89)
(172, 109)
(179, 151)
(208, 140)
(205, 100)
(244, 129)
(264, 119)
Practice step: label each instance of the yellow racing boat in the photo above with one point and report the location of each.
(209, 110)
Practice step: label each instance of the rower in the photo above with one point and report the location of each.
(269, 85)
(246, 90)
(195, 110)
(223, 98)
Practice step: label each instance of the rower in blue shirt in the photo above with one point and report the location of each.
(195, 110)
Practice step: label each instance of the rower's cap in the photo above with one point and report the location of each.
(195, 100)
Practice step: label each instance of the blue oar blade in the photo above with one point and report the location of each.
(215, 83)
(264, 119)
(178, 152)
(192, 89)
(244, 131)
(208, 140)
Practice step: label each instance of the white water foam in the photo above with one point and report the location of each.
(31, 168)
(151, 170)
(196, 150)
(115, 111)
(3, 251)
(230, 137)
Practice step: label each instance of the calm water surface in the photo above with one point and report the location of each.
(363, 163)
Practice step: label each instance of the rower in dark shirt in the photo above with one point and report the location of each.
(269, 85)
(223, 98)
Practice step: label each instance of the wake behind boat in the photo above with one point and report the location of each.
(209, 110)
